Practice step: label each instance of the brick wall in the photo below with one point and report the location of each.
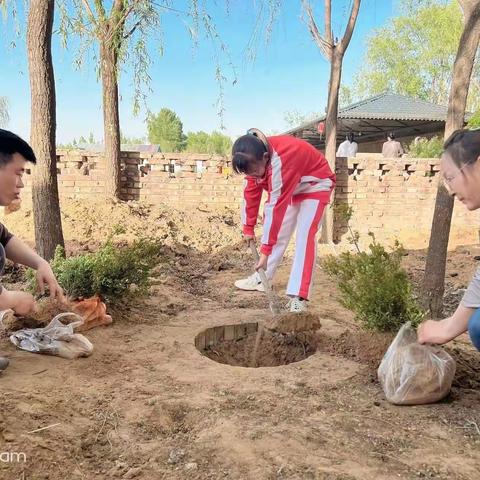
(184, 179)
(393, 198)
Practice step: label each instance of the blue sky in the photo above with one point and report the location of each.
(288, 74)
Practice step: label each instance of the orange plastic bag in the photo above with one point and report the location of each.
(93, 311)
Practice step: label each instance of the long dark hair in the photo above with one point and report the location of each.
(246, 150)
(463, 146)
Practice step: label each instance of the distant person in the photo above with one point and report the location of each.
(392, 148)
(349, 147)
(14, 154)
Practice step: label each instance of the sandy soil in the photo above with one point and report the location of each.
(148, 405)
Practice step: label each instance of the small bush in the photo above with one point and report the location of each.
(110, 272)
(375, 287)
(426, 148)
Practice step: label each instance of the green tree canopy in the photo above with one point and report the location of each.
(414, 54)
(474, 121)
(198, 142)
(202, 142)
(220, 143)
(125, 139)
(166, 129)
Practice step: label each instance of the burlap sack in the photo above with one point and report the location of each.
(414, 374)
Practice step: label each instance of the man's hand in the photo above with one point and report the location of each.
(21, 303)
(262, 262)
(45, 276)
(431, 331)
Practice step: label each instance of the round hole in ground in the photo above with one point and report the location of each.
(235, 345)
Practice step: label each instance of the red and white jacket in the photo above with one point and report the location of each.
(296, 171)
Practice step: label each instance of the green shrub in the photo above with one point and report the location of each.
(474, 121)
(426, 148)
(110, 272)
(375, 287)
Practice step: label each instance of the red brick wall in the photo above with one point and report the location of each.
(393, 198)
(147, 177)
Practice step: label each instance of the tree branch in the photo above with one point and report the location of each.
(342, 46)
(100, 10)
(90, 14)
(328, 22)
(132, 30)
(324, 46)
(117, 9)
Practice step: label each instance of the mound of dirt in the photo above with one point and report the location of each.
(90, 222)
(361, 346)
(293, 322)
(467, 375)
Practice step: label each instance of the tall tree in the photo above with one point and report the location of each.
(111, 30)
(121, 34)
(333, 49)
(166, 129)
(46, 206)
(462, 71)
(427, 34)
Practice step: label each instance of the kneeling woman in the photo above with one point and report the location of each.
(460, 165)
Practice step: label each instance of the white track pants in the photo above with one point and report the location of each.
(305, 216)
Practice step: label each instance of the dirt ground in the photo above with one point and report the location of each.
(148, 405)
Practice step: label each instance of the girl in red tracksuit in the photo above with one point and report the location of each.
(299, 183)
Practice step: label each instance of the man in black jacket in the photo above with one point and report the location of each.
(14, 154)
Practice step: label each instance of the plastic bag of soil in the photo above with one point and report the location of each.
(414, 374)
(54, 339)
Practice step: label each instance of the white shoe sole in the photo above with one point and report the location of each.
(258, 288)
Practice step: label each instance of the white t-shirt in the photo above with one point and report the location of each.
(347, 149)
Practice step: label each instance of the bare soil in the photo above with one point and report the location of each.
(274, 349)
(148, 405)
(293, 322)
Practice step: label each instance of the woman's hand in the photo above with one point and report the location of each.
(442, 331)
(248, 238)
(262, 262)
(432, 331)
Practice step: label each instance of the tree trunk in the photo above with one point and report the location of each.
(434, 280)
(331, 135)
(111, 120)
(46, 206)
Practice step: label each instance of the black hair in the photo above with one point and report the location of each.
(11, 144)
(350, 136)
(391, 135)
(247, 149)
(463, 146)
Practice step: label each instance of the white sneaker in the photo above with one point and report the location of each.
(296, 305)
(250, 283)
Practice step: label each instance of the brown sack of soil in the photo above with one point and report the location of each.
(414, 374)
